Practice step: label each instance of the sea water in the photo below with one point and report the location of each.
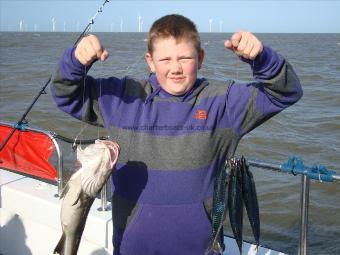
(310, 128)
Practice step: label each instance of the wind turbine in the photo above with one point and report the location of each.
(210, 23)
(21, 27)
(53, 24)
(139, 23)
(121, 24)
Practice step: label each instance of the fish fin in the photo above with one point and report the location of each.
(76, 196)
(59, 249)
(77, 199)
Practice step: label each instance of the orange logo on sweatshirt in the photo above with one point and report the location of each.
(201, 115)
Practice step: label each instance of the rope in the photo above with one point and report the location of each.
(21, 126)
(295, 166)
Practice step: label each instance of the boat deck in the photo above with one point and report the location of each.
(29, 221)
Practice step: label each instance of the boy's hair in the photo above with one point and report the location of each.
(173, 25)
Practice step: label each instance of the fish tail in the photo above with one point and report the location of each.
(67, 245)
(59, 249)
(214, 248)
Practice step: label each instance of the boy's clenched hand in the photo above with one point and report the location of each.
(90, 49)
(244, 44)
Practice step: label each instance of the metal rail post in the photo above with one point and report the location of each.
(60, 165)
(304, 215)
(103, 198)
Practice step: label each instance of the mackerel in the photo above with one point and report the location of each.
(235, 203)
(250, 200)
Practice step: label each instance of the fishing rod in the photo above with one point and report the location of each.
(22, 121)
(87, 28)
(23, 117)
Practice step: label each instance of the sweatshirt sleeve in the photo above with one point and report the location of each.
(78, 94)
(275, 88)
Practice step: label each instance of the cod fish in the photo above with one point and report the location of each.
(96, 163)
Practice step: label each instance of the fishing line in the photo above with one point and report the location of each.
(126, 73)
(83, 124)
(100, 95)
(132, 129)
(128, 68)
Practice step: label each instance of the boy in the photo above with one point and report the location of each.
(174, 130)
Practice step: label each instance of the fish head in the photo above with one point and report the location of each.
(98, 161)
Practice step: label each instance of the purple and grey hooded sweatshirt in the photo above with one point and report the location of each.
(171, 146)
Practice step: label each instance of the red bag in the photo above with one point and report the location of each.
(28, 152)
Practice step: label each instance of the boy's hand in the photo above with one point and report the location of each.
(90, 49)
(244, 44)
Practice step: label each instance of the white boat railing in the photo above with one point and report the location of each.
(295, 166)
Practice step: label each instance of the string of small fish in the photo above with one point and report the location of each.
(234, 188)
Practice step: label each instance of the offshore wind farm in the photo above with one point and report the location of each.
(227, 16)
(113, 26)
(63, 26)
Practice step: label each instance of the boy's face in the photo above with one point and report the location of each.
(175, 63)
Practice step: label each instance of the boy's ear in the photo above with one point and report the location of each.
(200, 58)
(149, 60)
